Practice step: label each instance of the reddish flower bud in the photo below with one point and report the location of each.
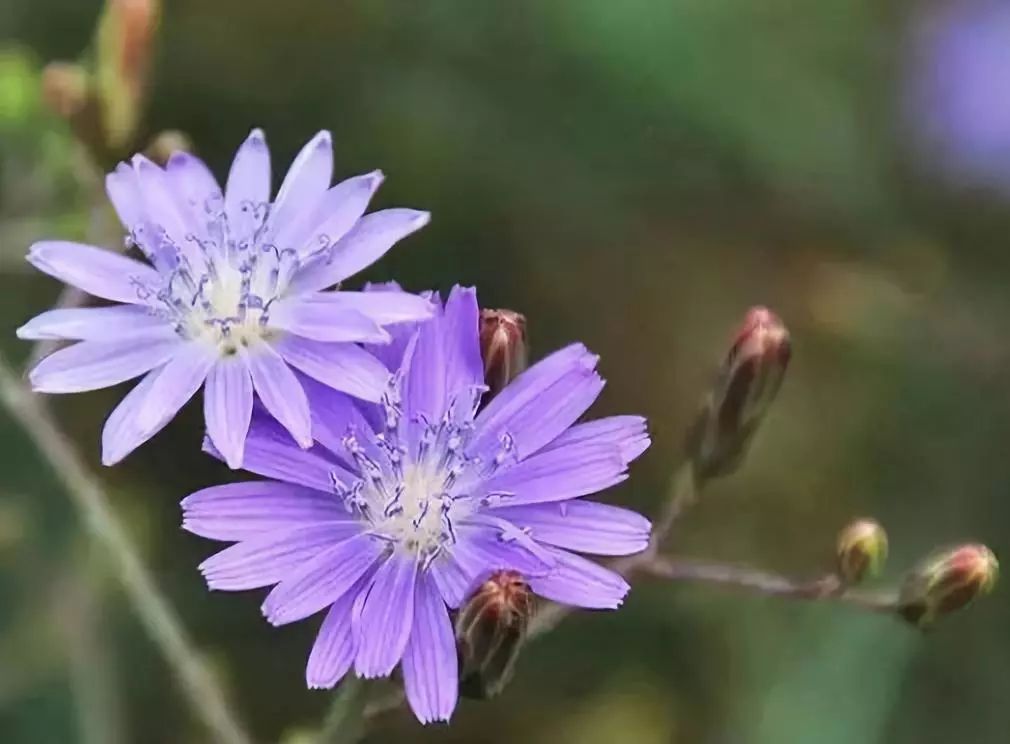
(861, 550)
(490, 629)
(748, 382)
(502, 347)
(947, 581)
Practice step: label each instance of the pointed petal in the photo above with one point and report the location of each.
(121, 435)
(323, 580)
(576, 581)
(430, 665)
(312, 316)
(227, 406)
(386, 617)
(344, 367)
(96, 324)
(280, 391)
(166, 211)
(90, 365)
(306, 181)
(464, 367)
(629, 433)
(583, 526)
(240, 511)
(177, 382)
(97, 271)
(248, 184)
(368, 241)
(382, 308)
(273, 556)
(336, 212)
(194, 185)
(333, 652)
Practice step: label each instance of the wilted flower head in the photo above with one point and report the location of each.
(946, 582)
(861, 550)
(748, 381)
(404, 507)
(503, 347)
(232, 295)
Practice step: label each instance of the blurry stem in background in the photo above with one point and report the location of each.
(156, 615)
(345, 719)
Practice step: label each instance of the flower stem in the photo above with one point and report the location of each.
(153, 610)
(344, 723)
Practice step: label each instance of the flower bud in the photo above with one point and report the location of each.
(502, 347)
(861, 550)
(947, 581)
(747, 383)
(490, 629)
(65, 88)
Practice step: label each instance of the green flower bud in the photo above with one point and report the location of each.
(861, 550)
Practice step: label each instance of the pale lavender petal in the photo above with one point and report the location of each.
(430, 665)
(576, 470)
(333, 652)
(239, 511)
(343, 367)
(90, 365)
(386, 617)
(194, 185)
(270, 452)
(629, 433)
(313, 316)
(539, 404)
(248, 184)
(97, 271)
(166, 211)
(423, 393)
(333, 415)
(577, 581)
(453, 580)
(280, 391)
(120, 435)
(391, 354)
(323, 580)
(306, 181)
(381, 307)
(584, 526)
(124, 193)
(96, 324)
(273, 556)
(480, 549)
(321, 228)
(369, 240)
(227, 406)
(464, 368)
(177, 382)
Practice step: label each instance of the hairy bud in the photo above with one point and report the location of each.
(746, 386)
(490, 629)
(946, 582)
(861, 550)
(502, 347)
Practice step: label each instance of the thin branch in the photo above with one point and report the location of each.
(154, 612)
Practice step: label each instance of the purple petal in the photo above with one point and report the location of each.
(323, 580)
(539, 404)
(306, 181)
(166, 210)
(97, 271)
(382, 308)
(556, 475)
(227, 408)
(248, 185)
(272, 557)
(464, 368)
(320, 230)
(239, 511)
(121, 435)
(177, 382)
(369, 240)
(454, 582)
(124, 193)
(333, 415)
(391, 354)
(481, 550)
(584, 526)
(96, 324)
(629, 433)
(271, 453)
(430, 665)
(343, 367)
(335, 646)
(576, 581)
(280, 391)
(90, 365)
(192, 181)
(386, 617)
(315, 317)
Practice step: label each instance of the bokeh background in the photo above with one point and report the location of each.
(632, 174)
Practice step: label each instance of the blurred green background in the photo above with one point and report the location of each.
(631, 174)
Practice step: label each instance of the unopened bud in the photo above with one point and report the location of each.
(861, 550)
(166, 143)
(64, 88)
(502, 347)
(490, 629)
(946, 582)
(748, 381)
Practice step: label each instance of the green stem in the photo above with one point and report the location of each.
(345, 720)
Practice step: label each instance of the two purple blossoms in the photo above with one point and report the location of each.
(396, 485)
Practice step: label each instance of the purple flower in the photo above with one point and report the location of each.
(232, 295)
(402, 507)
